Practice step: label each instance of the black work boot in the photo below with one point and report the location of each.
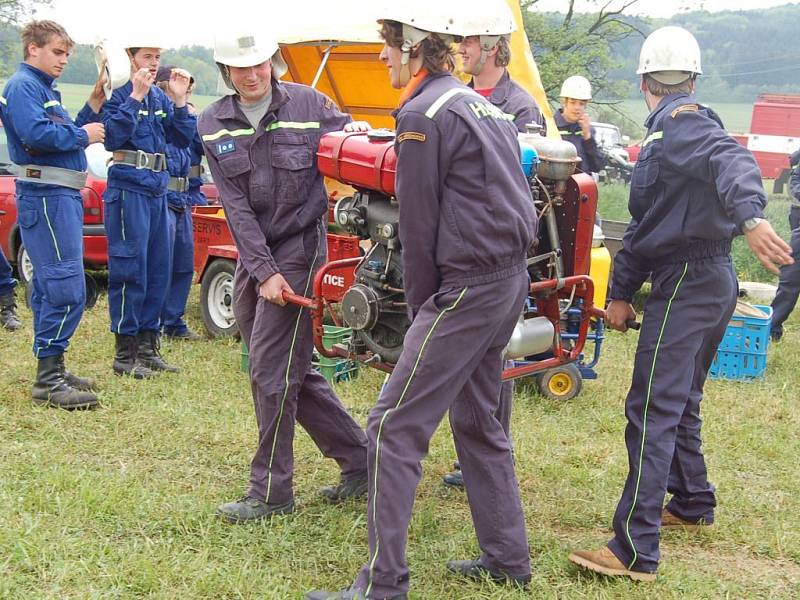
(149, 352)
(352, 593)
(182, 335)
(248, 509)
(353, 487)
(473, 569)
(125, 358)
(83, 384)
(50, 389)
(454, 479)
(8, 312)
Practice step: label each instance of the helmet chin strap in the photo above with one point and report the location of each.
(486, 42)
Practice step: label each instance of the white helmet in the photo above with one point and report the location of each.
(576, 87)
(670, 55)
(113, 61)
(247, 50)
(490, 21)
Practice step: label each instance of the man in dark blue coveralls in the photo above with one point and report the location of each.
(789, 283)
(140, 119)
(574, 124)
(49, 149)
(485, 54)
(260, 141)
(8, 304)
(180, 199)
(466, 223)
(693, 189)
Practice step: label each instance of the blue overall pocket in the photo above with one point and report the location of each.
(63, 283)
(123, 263)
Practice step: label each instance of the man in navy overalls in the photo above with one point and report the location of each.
(693, 190)
(49, 148)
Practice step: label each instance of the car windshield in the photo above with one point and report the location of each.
(607, 135)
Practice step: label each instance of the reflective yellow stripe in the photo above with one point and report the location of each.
(235, 133)
(52, 103)
(434, 108)
(3, 101)
(50, 227)
(122, 221)
(383, 420)
(160, 113)
(652, 138)
(293, 125)
(570, 132)
(144, 112)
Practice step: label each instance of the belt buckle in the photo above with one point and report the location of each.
(159, 162)
(142, 160)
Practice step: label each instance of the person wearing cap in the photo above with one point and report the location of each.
(694, 188)
(789, 283)
(179, 218)
(485, 53)
(466, 223)
(8, 304)
(260, 141)
(574, 124)
(49, 147)
(140, 120)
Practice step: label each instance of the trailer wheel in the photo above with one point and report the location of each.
(561, 383)
(216, 298)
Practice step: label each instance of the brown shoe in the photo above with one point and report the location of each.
(670, 521)
(605, 562)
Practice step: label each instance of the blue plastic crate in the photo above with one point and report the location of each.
(742, 354)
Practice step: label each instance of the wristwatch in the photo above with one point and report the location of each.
(751, 223)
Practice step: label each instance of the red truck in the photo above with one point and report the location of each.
(95, 245)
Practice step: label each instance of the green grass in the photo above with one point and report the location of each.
(613, 205)
(119, 502)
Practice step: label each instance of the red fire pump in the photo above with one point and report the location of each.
(374, 306)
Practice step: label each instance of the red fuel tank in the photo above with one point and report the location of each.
(364, 160)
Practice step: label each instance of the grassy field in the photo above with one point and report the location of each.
(119, 502)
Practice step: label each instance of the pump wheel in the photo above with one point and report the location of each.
(216, 298)
(561, 383)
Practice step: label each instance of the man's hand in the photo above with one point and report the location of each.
(618, 313)
(179, 81)
(272, 289)
(768, 247)
(98, 96)
(357, 126)
(142, 80)
(586, 126)
(96, 131)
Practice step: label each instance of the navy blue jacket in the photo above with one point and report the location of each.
(178, 166)
(196, 197)
(146, 126)
(592, 160)
(38, 127)
(794, 184)
(466, 214)
(512, 99)
(691, 189)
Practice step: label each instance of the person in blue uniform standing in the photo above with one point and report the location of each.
(8, 304)
(574, 124)
(140, 120)
(49, 149)
(485, 54)
(180, 200)
(789, 282)
(694, 188)
(466, 222)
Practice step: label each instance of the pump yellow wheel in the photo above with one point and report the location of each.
(561, 383)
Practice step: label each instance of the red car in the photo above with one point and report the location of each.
(95, 245)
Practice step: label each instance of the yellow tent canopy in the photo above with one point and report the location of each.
(340, 57)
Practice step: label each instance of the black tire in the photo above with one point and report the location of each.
(561, 383)
(216, 299)
(24, 266)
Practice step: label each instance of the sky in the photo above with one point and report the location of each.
(183, 22)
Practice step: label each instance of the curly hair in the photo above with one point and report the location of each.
(437, 55)
(40, 33)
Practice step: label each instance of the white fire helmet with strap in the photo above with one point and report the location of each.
(489, 20)
(419, 19)
(247, 50)
(576, 87)
(670, 55)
